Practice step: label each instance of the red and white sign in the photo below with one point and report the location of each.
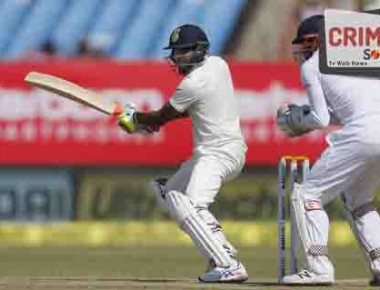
(352, 39)
(38, 128)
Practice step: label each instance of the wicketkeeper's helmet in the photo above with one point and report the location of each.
(307, 40)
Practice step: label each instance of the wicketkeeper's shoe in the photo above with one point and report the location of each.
(306, 277)
(375, 281)
(233, 274)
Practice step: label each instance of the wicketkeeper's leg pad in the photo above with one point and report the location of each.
(313, 225)
(365, 224)
(183, 211)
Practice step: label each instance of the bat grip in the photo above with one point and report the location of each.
(118, 109)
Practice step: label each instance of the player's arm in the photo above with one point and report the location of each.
(296, 120)
(132, 121)
(319, 116)
(177, 107)
(160, 117)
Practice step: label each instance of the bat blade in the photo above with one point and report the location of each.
(71, 91)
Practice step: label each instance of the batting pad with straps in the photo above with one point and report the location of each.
(216, 229)
(183, 211)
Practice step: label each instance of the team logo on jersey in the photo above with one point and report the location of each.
(352, 43)
(175, 35)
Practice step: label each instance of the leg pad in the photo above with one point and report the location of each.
(362, 210)
(374, 254)
(318, 250)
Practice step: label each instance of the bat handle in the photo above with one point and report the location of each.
(118, 109)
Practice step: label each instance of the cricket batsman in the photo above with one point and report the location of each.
(206, 95)
(349, 167)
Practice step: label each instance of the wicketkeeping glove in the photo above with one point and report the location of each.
(290, 119)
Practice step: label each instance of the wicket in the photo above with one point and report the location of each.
(295, 163)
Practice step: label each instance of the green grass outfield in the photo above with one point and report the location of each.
(149, 267)
(148, 255)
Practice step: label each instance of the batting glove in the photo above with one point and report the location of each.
(127, 119)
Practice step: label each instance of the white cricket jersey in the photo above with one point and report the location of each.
(352, 100)
(207, 94)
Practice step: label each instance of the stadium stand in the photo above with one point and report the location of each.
(111, 23)
(74, 25)
(138, 29)
(138, 38)
(132, 29)
(11, 16)
(270, 25)
(36, 28)
(220, 21)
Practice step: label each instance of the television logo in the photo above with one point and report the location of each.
(352, 43)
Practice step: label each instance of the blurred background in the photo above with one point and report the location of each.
(70, 176)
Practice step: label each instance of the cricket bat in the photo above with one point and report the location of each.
(73, 92)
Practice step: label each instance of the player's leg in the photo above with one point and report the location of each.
(179, 182)
(337, 169)
(207, 230)
(363, 217)
(313, 224)
(206, 179)
(176, 182)
(216, 229)
(207, 176)
(182, 209)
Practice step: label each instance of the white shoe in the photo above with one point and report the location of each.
(305, 277)
(233, 274)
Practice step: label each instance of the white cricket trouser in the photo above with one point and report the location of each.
(201, 177)
(350, 165)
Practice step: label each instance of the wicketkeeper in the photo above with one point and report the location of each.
(349, 167)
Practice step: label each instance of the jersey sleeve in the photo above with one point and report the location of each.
(319, 115)
(185, 95)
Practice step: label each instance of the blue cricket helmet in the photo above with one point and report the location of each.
(188, 36)
(311, 25)
(193, 41)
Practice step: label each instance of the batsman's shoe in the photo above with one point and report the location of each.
(233, 274)
(158, 186)
(306, 277)
(375, 281)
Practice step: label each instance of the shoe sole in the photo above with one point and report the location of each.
(309, 284)
(225, 281)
